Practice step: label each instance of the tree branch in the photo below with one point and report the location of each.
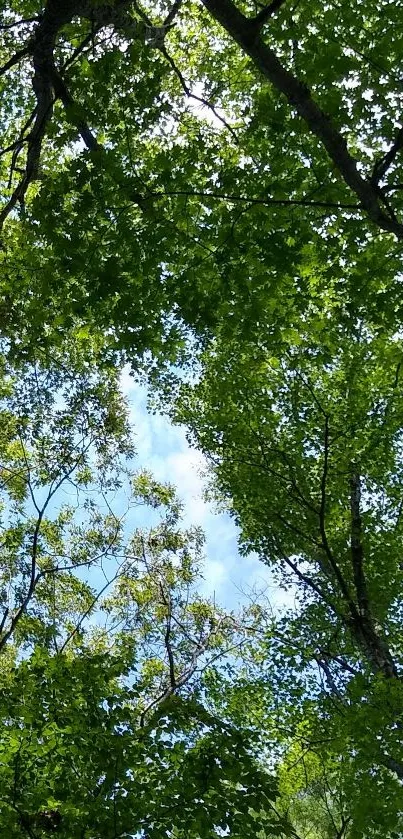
(309, 582)
(15, 59)
(322, 522)
(357, 550)
(267, 12)
(181, 680)
(323, 665)
(33, 582)
(167, 637)
(48, 84)
(394, 765)
(35, 576)
(341, 662)
(188, 92)
(5, 27)
(299, 97)
(363, 625)
(62, 93)
(382, 165)
(277, 202)
(173, 12)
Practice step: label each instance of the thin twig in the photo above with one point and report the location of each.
(279, 202)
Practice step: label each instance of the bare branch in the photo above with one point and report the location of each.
(345, 821)
(294, 529)
(48, 84)
(87, 612)
(392, 188)
(362, 622)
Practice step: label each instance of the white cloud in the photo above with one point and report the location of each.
(163, 448)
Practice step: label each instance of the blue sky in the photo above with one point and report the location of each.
(163, 449)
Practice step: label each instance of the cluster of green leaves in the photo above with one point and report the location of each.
(76, 762)
(215, 218)
(304, 439)
(151, 235)
(105, 726)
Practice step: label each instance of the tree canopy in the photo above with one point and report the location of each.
(210, 192)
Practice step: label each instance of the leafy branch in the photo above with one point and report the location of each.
(245, 32)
